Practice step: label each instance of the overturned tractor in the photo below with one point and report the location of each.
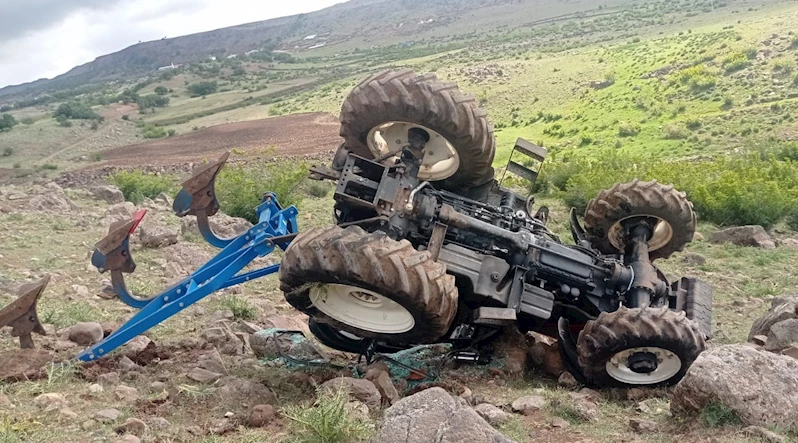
(427, 246)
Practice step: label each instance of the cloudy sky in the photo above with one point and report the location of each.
(44, 38)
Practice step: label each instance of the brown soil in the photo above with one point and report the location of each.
(293, 135)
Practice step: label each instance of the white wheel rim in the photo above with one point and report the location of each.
(361, 308)
(663, 233)
(668, 365)
(440, 158)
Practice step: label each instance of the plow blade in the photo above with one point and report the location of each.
(21, 313)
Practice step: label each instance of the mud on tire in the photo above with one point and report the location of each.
(638, 198)
(424, 100)
(374, 262)
(613, 332)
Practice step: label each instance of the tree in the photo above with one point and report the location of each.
(7, 121)
(75, 111)
(152, 101)
(160, 90)
(202, 88)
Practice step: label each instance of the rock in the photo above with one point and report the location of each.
(124, 209)
(358, 389)
(222, 427)
(791, 243)
(88, 424)
(86, 333)
(467, 395)
(298, 322)
(108, 194)
(5, 403)
(156, 236)
(387, 389)
(693, 259)
(434, 415)
(760, 387)
(107, 415)
(163, 199)
(759, 340)
(96, 388)
(125, 364)
(643, 426)
(126, 393)
(109, 378)
(23, 364)
(567, 380)
(544, 353)
(128, 438)
(559, 423)
(159, 423)
(698, 237)
(751, 235)
(512, 348)
(158, 386)
(265, 345)
(763, 434)
(585, 409)
(223, 225)
(67, 414)
(55, 202)
(212, 361)
(492, 414)
(637, 394)
(783, 308)
(261, 415)
(247, 327)
(136, 345)
(240, 392)
(223, 339)
(203, 375)
(223, 315)
(792, 351)
(50, 400)
(529, 404)
(80, 290)
(782, 335)
(132, 426)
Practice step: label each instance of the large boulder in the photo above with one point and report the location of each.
(434, 415)
(782, 335)
(784, 308)
(760, 387)
(156, 236)
(222, 224)
(108, 194)
(751, 235)
(544, 353)
(51, 201)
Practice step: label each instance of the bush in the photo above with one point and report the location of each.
(75, 111)
(138, 185)
(717, 414)
(7, 121)
(698, 78)
(160, 90)
(150, 131)
(318, 189)
(240, 308)
(28, 121)
(125, 117)
(736, 62)
(48, 167)
(63, 121)
(328, 420)
(675, 131)
(626, 129)
(202, 88)
(152, 101)
(240, 189)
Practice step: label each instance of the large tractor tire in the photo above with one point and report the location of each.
(640, 346)
(369, 285)
(377, 114)
(670, 210)
(697, 302)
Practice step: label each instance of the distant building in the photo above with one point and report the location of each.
(252, 51)
(310, 37)
(170, 66)
(212, 58)
(232, 56)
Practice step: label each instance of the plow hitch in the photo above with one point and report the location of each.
(276, 228)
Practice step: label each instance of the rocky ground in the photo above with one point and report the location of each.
(212, 373)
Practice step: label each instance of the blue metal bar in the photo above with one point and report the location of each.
(243, 278)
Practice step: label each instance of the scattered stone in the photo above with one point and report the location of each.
(782, 335)
(585, 394)
(159, 423)
(434, 415)
(247, 327)
(201, 375)
(759, 340)
(50, 400)
(124, 209)
(222, 315)
(126, 393)
(586, 410)
(80, 290)
(792, 351)
(86, 333)
(223, 427)
(261, 415)
(109, 378)
(751, 235)
(492, 414)
(96, 388)
(297, 322)
(108, 194)
(106, 415)
(125, 364)
(643, 426)
(67, 414)
(241, 392)
(567, 380)
(223, 339)
(23, 364)
(136, 345)
(760, 387)
(132, 426)
(158, 386)
(387, 389)
(222, 225)
(636, 394)
(529, 404)
(783, 308)
(129, 438)
(358, 389)
(55, 202)
(791, 243)
(698, 237)
(212, 361)
(88, 424)
(544, 353)
(693, 259)
(559, 423)
(765, 435)
(163, 199)
(467, 395)
(5, 403)
(156, 236)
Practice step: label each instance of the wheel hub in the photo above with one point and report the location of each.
(644, 366)
(661, 231)
(440, 159)
(361, 308)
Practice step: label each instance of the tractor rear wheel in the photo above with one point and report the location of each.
(369, 285)
(345, 341)
(607, 216)
(639, 346)
(377, 114)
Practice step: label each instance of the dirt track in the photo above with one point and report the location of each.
(293, 135)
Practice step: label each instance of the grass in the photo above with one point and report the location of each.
(138, 185)
(239, 306)
(327, 420)
(717, 414)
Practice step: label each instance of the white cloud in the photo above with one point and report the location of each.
(78, 31)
